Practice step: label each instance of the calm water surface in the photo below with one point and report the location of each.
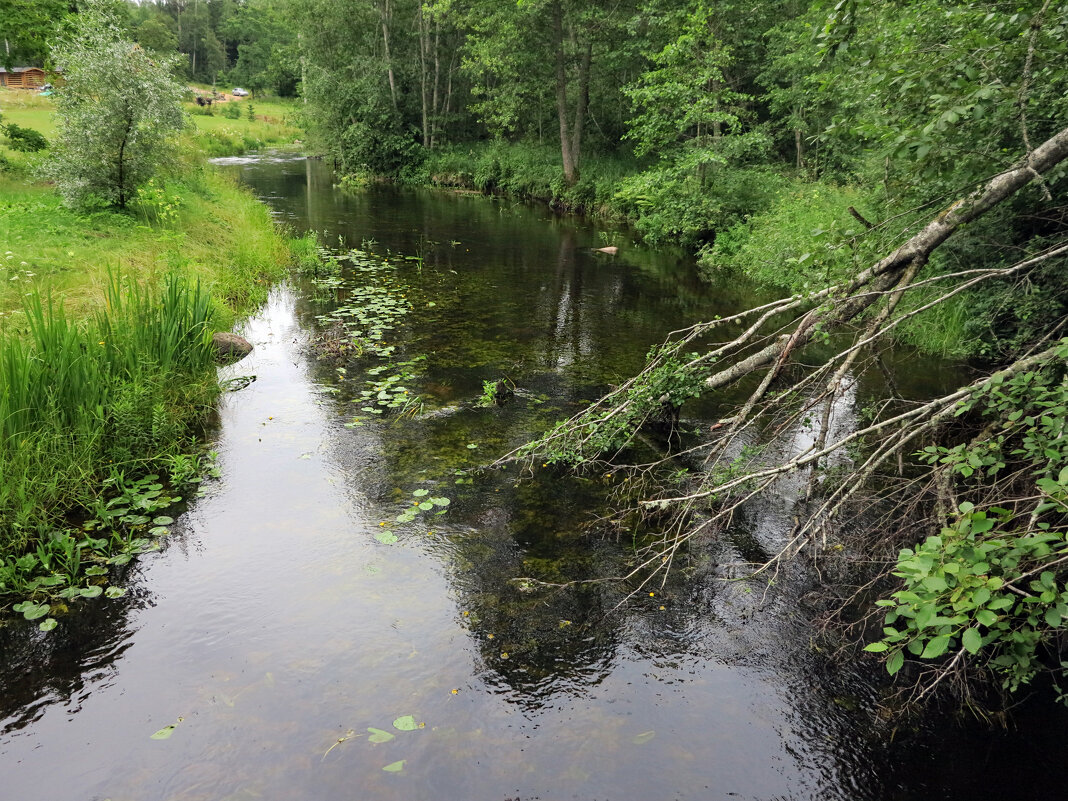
(273, 623)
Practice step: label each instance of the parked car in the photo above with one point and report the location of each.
(239, 92)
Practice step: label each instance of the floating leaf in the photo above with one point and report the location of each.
(48, 624)
(32, 611)
(165, 732)
(92, 592)
(386, 537)
(114, 592)
(643, 738)
(406, 723)
(395, 767)
(426, 506)
(471, 446)
(419, 493)
(96, 570)
(379, 736)
(162, 520)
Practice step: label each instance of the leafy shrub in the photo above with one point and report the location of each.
(803, 240)
(23, 139)
(231, 111)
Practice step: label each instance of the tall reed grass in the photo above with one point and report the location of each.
(119, 391)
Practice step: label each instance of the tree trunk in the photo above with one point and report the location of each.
(384, 15)
(571, 173)
(437, 83)
(867, 287)
(424, 76)
(580, 107)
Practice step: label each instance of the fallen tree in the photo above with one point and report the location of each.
(978, 476)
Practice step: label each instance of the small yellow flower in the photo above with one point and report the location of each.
(489, 636)
(652, 594)
(454, 691)
(504, 655)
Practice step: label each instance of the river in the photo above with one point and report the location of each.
(298, 653)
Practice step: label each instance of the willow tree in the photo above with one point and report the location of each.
(119, 112)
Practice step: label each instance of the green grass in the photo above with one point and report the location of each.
(273, 125)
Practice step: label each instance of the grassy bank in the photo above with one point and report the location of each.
(244, 124)
(106, 370)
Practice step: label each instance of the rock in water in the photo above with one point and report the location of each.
(230, 347)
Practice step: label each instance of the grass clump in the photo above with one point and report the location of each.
(120, 393)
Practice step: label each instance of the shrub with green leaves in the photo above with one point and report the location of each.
(25, 139)
(114, 132)
(986, 586)
(991, 587)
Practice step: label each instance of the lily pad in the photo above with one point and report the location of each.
(164, 733)
(419, 493)
(162, 520)
(114, 592)
(395, 767)
(426, 506)
(48, 624)
(386, 537)
(96, 570)
(92, 592)
(406, 723)
(32, 611)
(440, 501)
(379, 736)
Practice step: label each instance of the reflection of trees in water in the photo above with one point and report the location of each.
(537, 640)
(43, 669)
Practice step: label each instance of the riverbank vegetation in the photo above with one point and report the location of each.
(109, 296)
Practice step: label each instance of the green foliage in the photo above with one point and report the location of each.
(983, 586)
(804, 241)
(26, 27)
(992, 582)
(657, 393)
(685, 98)
(23, 139)
(114, 134)
(231, 111)
(126, 388)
